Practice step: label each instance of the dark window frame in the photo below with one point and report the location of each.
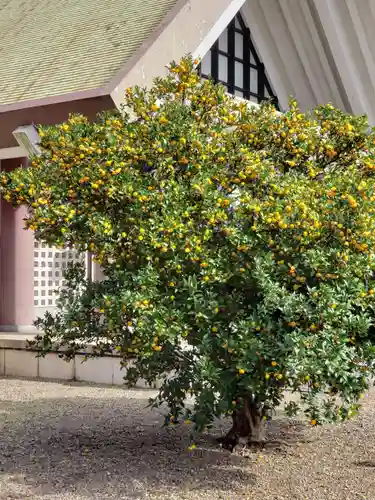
(248, 50)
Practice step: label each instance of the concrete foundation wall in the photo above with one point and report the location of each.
(18, 361)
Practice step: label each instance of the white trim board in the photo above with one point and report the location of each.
(10, 153)
(217, 29)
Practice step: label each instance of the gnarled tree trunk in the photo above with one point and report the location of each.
(248, 425)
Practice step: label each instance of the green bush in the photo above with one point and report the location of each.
(237, 245)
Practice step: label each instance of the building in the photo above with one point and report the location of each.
(63, 56)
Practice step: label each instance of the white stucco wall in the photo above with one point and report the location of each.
(192, 31)
(318, 51)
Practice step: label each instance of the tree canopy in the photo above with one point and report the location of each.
(237, 246)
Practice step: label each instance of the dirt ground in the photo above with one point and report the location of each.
(77, 442)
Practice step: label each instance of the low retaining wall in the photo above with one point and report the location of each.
(18, 361)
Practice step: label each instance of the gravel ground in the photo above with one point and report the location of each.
(64, 441)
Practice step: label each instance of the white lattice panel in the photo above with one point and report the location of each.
(49, 266)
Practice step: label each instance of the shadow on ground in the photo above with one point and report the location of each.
(365, 463)
(111, 448)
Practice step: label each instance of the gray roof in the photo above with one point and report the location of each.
(54, 47)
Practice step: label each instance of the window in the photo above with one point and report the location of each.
(234, 62)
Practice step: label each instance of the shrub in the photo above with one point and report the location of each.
(237, 244)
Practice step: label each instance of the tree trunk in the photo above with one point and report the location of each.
(248, 426)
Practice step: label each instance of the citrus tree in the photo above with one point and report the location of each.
(237, 247)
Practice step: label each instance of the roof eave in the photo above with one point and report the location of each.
(56, 99)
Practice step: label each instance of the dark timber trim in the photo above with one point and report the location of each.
(251, 63)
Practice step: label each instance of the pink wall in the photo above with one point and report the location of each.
(16, 264)
(49, 115)
(17, 245)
